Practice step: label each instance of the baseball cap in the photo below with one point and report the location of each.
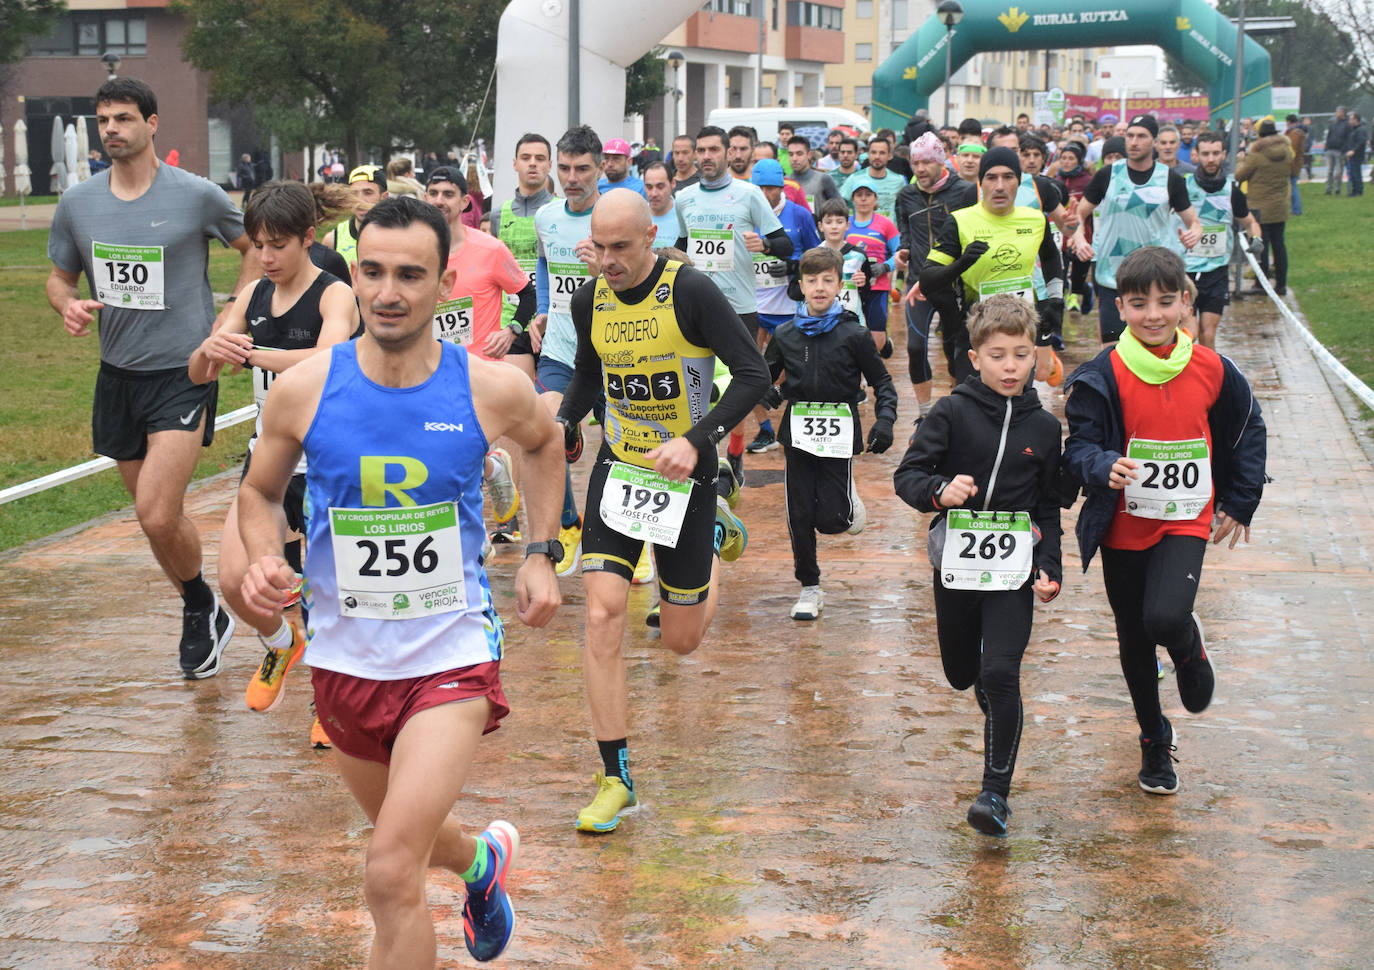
(616, 146)
(767, 171)
(368, 173)
(447, 173)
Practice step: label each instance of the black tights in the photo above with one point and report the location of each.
(982, 639)
(1272, 233)
(1152, 592)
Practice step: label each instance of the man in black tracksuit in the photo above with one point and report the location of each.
(988, 456)
(825, 352)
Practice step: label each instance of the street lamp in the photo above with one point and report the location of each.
(675, 60)
(111, 61)
(950, 13)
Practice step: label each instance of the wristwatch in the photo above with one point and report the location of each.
(550, 547)
(516, 327)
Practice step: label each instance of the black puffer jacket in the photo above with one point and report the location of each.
(961, 435)
(920, 214)
(828, 367)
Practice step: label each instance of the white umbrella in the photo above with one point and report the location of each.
(69, 154)
(83, 149)
(22, 182)
(57, 148)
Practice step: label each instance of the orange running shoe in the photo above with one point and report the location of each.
(265, 689)
(1056, 370)
(318, 739)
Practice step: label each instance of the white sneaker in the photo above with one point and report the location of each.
(809, 604)
(860, 518)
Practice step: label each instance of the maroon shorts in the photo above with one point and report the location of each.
(364, 717)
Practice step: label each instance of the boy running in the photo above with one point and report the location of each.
(986, 460)
(1166, 439)
(825, 351)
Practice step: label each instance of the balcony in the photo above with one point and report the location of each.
(815, 44)
(725, 32)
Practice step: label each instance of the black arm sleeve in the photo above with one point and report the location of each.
(582, 391)
(917, 480)
(1240, 205)
(1097, 188)
(1051, 197)
(779, 244)
(772, 356)
(1178, 193)
(935, 277)
(529, 302)
(1051, 265)
(707, 320)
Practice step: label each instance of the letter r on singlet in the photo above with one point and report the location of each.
(372, 473)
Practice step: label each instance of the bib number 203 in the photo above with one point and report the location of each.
(398, 563)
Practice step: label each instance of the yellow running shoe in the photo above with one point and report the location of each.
(644, 569)
(571, 538)
(318, 739)
(612, 802)
(265, 689)
(736, 535)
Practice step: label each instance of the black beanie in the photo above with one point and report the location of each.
(1115, 145)
(1147, 122)
(1000, 156)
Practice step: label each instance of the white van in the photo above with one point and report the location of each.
(811, 123)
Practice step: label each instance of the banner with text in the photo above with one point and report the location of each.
(1164, 109)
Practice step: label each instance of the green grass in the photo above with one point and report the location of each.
(45, 398)
(1328, 273)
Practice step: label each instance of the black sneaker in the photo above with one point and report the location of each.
(763, 441)
(989, 813)
(737, 467)
(203, 636)
(1157, 775)
(1195, 677)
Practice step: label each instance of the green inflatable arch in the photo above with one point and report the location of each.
(1189, 29)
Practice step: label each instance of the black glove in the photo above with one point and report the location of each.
(572, 439)
(1051, 316)
(880, 436)
(778, 268)
(886, 350)
(971, 253)
(772, 398)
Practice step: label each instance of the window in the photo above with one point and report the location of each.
(863, 9)
(834, 96)
(863, 52)
(802, 14)
(740, 8)
(899, 14)
(863, 94)
(92, 33)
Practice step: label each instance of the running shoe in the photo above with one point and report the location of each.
(501, 491)
(1088, 299)
(1157, 760)
(265, 689)
(989, 813)
(571, 538)
(1159, 669)
(294, 597)
(644, 569)
(737, 466)
(319, 740)
(860, 520)
(1056, 370)
(725, 478)
(572, 452)
(736, 535)
(204, 634)
(763, 441)
(487, 915)
(1196, 678)
(506, 533)
(809, 604)
(1071, 303)
(651, 618)
(613, 801)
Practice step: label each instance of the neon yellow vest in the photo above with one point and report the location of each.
(657, 382)
(1013, 244)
